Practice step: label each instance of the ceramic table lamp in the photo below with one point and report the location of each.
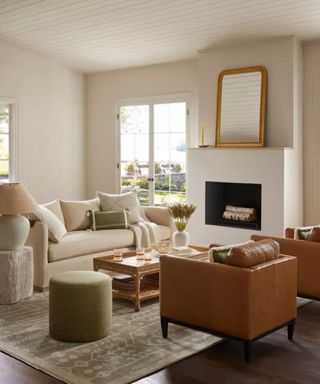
(14, 228)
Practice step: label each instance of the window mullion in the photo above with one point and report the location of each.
(151, 155)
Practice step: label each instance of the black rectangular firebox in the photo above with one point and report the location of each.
(220, 194)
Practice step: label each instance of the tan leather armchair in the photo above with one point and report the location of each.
(308, 263)
(240, 303)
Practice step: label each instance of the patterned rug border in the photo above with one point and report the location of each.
(73, 378)
(70, 378)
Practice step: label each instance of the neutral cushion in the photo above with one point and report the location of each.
(127, 201)
(249, 255)
(56, 228)
(80, 306)
(218, 254)
(86, 242)
(55, 208)
(75, 213)
(165, 232)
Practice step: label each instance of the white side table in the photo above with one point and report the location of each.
(16, 275)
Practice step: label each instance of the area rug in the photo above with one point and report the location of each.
(134, 349)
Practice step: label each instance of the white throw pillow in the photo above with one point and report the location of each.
(128, 201)
(75, 213)
(55, 227)
(55, 208)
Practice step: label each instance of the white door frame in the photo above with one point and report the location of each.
(151, 101)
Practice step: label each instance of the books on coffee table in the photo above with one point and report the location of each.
(182, 251)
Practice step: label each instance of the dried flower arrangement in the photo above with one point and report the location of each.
(181, 213)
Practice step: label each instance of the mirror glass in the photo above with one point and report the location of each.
(241, 108)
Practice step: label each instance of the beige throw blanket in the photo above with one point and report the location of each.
(145, 232)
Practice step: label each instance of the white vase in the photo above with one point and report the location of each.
(180, 239)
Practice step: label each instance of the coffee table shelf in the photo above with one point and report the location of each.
(138, 269)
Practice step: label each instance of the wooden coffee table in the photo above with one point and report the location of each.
(138, 269)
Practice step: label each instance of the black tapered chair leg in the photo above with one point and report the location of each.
(290, 327)
(247, 351)
(164, 327)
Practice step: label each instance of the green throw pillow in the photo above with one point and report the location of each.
(303, 234)
(221, 256)
(108, 219)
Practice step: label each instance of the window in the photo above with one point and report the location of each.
(8, 109)
(153, 139)
(4, 142)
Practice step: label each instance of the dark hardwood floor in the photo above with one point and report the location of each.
(275, 360)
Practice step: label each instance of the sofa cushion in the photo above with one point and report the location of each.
(249, 255)
(55, 208)
(75, 213)
(219, 254)
(108, 220)
(127, 201)
(78, 243)
(165, 232)
(56, 228)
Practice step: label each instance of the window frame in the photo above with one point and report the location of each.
(150, 101)
(12, 103)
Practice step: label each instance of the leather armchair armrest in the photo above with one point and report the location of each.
(207, 295)
(308, 258)
(273, 291)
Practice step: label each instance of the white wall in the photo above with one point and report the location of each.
(103, 91)
(277, 56)
(50, 129)
(311, 137)
(294, 203)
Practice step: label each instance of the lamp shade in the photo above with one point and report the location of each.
(15, 199)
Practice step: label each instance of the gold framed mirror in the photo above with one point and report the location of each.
(241, 107)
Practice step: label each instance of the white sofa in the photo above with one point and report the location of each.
(76, 250)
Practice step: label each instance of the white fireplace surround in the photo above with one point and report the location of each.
(276, 169)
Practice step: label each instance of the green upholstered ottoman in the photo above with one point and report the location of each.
(80, 306)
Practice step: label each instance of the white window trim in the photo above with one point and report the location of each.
(151, 101)
(13, 128)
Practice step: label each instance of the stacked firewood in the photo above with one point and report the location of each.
(233, 212)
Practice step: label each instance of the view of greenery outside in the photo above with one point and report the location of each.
(169, 188)
(169, 152)
(4, 143)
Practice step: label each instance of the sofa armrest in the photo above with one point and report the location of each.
(38, 240)
(308, 258)
(160, 216)
(227, 299)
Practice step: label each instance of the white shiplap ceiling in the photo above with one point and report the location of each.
(95, 35)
